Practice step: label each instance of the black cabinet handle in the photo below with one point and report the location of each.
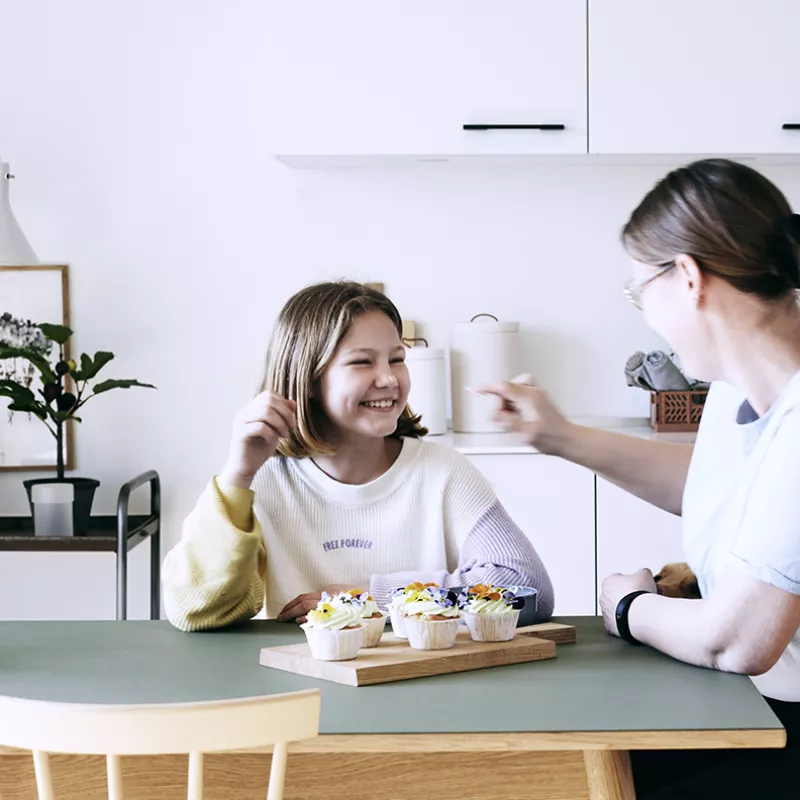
(791, 126)
(540, 127)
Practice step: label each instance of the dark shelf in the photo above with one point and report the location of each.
(16, 533)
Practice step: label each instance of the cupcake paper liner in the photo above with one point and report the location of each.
(331, 645)
(431, 634)
(398, 624)
(492, 627)
(373, 630)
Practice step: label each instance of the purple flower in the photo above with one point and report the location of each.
(445, 598)
(358, 602)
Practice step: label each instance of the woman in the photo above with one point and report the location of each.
(716, 266)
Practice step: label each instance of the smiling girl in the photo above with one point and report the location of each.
(328, 484)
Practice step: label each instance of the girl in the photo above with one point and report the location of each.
(328, 484)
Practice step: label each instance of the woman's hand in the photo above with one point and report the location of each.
(615, 587)
(256, 431)
(527, 409)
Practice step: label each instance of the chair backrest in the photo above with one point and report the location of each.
(194, 728)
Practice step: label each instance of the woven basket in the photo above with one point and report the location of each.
(677, 412)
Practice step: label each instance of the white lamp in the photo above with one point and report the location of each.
(14, 248)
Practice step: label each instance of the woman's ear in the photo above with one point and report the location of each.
(692, 276)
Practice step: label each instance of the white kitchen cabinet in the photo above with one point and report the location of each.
(694, 77)
(70, 586)
(632, 534)
(356, 77)
(552, 501)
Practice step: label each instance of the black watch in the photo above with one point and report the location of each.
(621, 615)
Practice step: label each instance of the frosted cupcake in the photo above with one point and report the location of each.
(372, 619)
(491, 612)
(334, 629)
(432, 619)
(397, 602)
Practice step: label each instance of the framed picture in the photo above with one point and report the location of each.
(31, 295)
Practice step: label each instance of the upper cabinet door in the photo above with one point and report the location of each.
(359, 77)
(691, 76)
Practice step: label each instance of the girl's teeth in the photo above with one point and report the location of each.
(380, 404)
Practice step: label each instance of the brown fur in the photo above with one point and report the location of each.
(677, 580)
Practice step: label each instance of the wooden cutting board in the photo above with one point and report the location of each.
(395, 660)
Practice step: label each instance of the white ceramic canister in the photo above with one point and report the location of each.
(484, 351)
(428, 396)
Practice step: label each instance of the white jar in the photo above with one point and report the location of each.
(485, 351)
(52, 508)
(426, 368)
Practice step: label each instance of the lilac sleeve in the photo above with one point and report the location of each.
(495, 551)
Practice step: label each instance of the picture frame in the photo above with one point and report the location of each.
(32, 294)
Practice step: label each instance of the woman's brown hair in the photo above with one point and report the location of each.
(733, 221)
(308, 330)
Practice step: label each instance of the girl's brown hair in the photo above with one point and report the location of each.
(734, 222)
(308, 330)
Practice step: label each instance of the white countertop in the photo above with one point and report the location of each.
(512, 444)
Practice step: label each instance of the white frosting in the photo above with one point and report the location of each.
(483, 605)
(335, 613)
(426, 607)
(370, 608)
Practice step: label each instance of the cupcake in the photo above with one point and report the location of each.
(491, 612)
(334, 629)
(397, 601)
(432, 619)
(371, 618)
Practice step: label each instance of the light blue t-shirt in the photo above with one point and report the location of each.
(741, 505)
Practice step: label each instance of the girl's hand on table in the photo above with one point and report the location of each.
(298, 608)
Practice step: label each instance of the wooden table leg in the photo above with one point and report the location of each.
(609, 775)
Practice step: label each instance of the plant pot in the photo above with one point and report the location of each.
(81, 507)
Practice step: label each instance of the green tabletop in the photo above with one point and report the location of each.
(598, 684)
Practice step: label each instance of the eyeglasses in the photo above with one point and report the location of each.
(633, 291)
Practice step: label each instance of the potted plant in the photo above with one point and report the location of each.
(66, 387)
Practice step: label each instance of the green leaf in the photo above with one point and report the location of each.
(63, 416)
(57, 333)
(123, 383)
(90, 367)
(40, 362)
(31, 408)
(17, 391)
(86, 368)
(100, 360)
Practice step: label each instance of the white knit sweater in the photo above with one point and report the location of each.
(431, 517)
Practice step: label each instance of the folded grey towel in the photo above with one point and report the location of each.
(635, 373)
(655, 371)
(662, 374)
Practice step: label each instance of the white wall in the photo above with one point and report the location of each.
(136, 133)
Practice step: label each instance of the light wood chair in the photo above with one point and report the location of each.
(193, 728)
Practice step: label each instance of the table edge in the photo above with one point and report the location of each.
(400, 743)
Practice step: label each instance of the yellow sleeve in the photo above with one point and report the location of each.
(215, 575)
